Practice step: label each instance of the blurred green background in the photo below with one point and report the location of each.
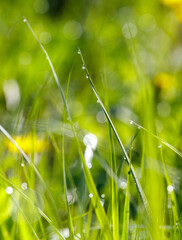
(133, 51)
(124, 65)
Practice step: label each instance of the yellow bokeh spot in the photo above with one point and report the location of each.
(176, 5)
(165, 81)
(171, 3)
(29, 143)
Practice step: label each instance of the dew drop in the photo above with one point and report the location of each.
(83, 67)
(131, 122)
(79, 52)
(9, 190)
(89, 165)
(98, 101)
(24, 19)
(22, 165)
(24, 186)
(90, 140)
(139, 127)
(160, 146)
(90, 195)
(103, 195)
(87, 76)
(170, 188)
(102, 202)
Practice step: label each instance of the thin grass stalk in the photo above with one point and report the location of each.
(29, 224)
(32, 203)
(99, 210)
(70, 222)
(114, 190)
(89, 219)
(126, 210)
(174, 206)
(25, 157)
(158, 138)
(139, 188)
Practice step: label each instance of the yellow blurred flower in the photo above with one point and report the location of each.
(165, 81)
(172, 3)
(29, 143)
(176, 5)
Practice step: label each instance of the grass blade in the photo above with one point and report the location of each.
(158, 138)
(139, 188)
(115, 205)
(25, 157)
(70, 222)
(99, 210)
(126, 213)
(174, 206)
(31, 202)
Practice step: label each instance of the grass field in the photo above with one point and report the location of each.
(91, 121)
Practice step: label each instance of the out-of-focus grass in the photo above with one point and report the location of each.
(134, 50)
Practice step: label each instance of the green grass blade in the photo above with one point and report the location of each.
(25, 157)
(115, 206)
(89, 218)
(139, 188)
(158, 138)
(174, 205)
(126, 210)
(29, 224)
(31, 202)
(70, 222)
(99, 210)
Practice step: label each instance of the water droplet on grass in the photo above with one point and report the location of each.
(131, 122)
(102, 202)
(9, 190)
(90, 195)
(24, 186)
(160, 146)
(170, 188)
(22, 165)
(87, 76)
(89, 165)
(83, 67)
(90, 140)
(79, 52)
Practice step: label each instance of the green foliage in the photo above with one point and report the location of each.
(90, 147)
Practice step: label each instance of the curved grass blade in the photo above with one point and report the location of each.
(25, 157)
(30, 201)
(99, 210)
(139, 188)
(158, 138)
(174, 206)
(31, 227)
